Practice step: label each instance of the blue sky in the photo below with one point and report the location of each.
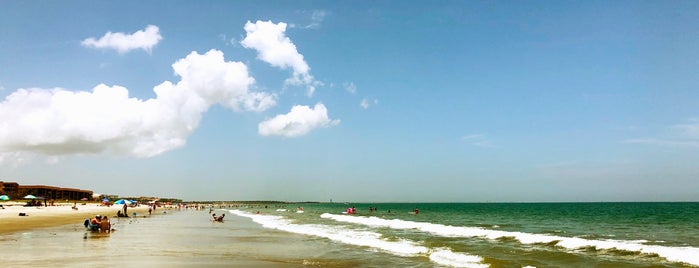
(376, 101)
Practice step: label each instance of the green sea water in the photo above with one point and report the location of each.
(440, 235)
(512, 234)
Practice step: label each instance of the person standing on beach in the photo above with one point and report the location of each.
(125, 206)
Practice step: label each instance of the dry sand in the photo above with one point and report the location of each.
(38, 217)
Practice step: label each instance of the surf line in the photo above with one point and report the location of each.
(689, 255)
(403, 247)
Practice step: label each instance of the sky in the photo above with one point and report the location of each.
(353, 101)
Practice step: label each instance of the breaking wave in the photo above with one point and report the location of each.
(401, 247)
(689, 255)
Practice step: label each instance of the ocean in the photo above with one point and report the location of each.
(500, 234)
(440, 235)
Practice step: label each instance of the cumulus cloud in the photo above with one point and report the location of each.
(274, 47)
(144, 39)
(299, 121)
(106, 120)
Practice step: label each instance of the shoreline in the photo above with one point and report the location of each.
(61, 214)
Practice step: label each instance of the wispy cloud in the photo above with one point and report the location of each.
(274, 47)
(366, 103)
(317, 17)
(661, 142)
(299, 121)
(228, 41)
(478, 140)
(144, 39)
(350, 87)
(679, 135)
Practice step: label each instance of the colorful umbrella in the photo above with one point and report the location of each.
(30, 197)
(122, 201)
(4, 197)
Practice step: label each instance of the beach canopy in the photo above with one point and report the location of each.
(122, 201)
(4, 197)
(83, 199)
(30, 197)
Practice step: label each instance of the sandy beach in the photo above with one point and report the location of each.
(39, 217)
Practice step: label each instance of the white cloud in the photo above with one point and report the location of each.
(274, 47)
(106, 120)
(144, 39)
(299, 121)
(365, 103)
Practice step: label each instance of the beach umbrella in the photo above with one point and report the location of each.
(4, 197)
(83, 199)
(30, 197)
(122, 201)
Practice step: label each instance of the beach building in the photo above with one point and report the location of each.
(8, 187)
(16, 191)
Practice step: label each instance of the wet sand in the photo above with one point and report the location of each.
(168, 238)
(41, 217)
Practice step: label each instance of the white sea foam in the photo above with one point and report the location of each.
(446, 257)
(689, 255)
(402, 247)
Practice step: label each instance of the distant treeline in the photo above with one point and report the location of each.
(142, 199)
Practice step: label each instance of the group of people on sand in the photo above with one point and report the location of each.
(98, 223)
(218, 218)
